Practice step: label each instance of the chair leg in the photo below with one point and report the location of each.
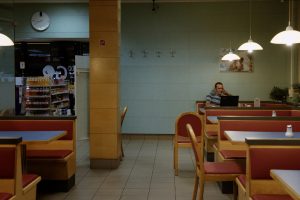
(235, 191)
(175, 159)
(201, 187)
(122, 149)
(196, 185)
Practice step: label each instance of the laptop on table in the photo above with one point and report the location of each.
(229, 101)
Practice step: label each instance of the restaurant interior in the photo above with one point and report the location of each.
(107, 99)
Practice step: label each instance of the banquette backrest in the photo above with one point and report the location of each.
(68, 125)
(10, 165)
(264, 155)
(246, 112)
(273, 124)
(277, 124)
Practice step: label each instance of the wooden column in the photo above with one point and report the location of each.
(104, 83)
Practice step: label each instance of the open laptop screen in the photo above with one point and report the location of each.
(229, 101)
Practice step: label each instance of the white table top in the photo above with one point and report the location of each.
(213, 119)
(289, 179)
(240, 136)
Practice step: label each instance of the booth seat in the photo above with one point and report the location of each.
(225, 150)
(211, 130)
(6, 196)
(54, 161)
(14, 184)
(262, 156)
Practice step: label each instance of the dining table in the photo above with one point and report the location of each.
(212, 119)
(239, 137)
(32, 137)
(289, 180)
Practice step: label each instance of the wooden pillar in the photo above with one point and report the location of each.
(104, 83)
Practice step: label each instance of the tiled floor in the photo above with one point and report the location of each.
(146, 173)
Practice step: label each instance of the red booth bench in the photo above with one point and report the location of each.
(54, 161)
(262, 156)
(225, 150)
(13, 183)
(211, 130)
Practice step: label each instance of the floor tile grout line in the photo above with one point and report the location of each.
(132, 167)
(157, 141)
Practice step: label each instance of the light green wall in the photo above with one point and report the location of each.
(68, 21)
(157, 89)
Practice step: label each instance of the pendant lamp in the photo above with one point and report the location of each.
(250, 46)
(289, 36)
(5, 41)
(230, 56)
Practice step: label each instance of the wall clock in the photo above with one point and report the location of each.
(40, 21)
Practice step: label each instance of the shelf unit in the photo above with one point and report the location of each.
(59, 97)
(45, 98)
(38, 100)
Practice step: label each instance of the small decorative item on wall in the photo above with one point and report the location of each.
(245, 64)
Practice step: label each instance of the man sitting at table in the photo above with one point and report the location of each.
(214, 97)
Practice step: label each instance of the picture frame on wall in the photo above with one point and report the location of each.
(245, 64)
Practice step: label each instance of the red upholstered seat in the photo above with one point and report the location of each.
(271, 197)
(233, 154)
(47, 153)
(5, 196)
(228, 167)
(242, 179)
(28, 178)
(212, 133)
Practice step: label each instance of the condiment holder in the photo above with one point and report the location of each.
(289, 131)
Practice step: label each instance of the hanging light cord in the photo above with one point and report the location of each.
(250, 18)
(290, 12)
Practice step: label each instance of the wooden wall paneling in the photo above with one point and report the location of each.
(104, 83)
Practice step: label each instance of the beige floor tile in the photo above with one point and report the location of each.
(146, 173)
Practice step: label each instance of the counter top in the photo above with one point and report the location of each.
(23, 117)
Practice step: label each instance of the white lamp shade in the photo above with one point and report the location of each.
(250, 46)
(230, 57)
(288, 37)
(5, 41)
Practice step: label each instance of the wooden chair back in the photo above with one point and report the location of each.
(191, 118)
(196, 146)
(123, 114)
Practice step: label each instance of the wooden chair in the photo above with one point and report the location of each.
(122, 119)
(211, 171)
(264, 155)
(181, 138)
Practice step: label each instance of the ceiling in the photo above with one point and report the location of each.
(123, 1)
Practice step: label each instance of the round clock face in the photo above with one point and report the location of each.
(40, 21)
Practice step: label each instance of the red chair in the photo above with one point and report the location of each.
(211, 171)
(181, 138)
(122, 119)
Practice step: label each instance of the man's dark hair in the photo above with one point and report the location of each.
(218, 83)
